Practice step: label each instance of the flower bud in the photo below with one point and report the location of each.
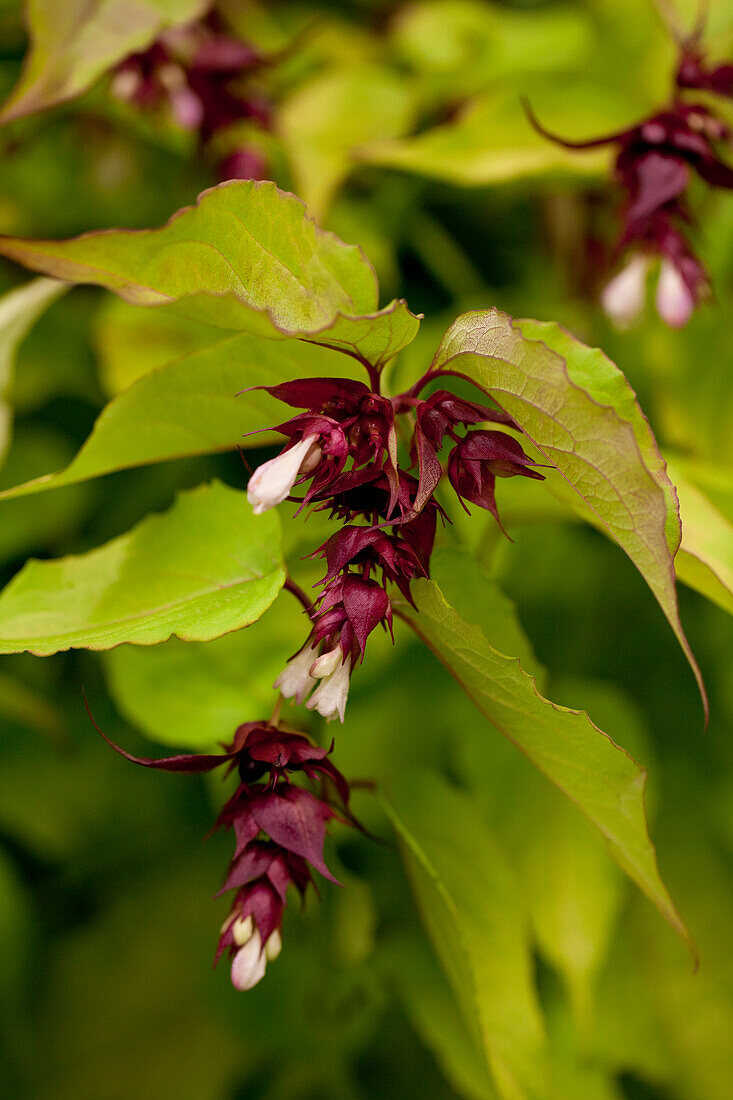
(274, 946)
(249, 963)
(675, 301)
(623, 298)
(327, 663)
(271, 482)
(329, 698)
(242, 930)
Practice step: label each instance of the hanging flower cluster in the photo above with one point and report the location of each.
(202, 78)
(654, 166)
(279, 829)
(344, 444)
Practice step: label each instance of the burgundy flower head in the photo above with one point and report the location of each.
(481, 457)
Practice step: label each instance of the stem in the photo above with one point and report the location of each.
(372, 371)
(275, 716)
(299, 594)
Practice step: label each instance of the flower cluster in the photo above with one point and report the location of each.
(279, 829)
(202, 78)
(654, 166)
(344, 444)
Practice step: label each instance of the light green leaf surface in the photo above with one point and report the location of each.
(705, 557)
(326, 118)
(74, 41)
(580, 412)
(470, 907)
(19, 311)
(205, 567)
(195, 694)
(195, 406)
(602, 779)
(247, 258)
(492, 142)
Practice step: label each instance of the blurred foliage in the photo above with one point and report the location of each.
(400, 124)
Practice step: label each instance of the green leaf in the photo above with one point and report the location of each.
(74, 42)
(491, 140)
(602, 779)
(705, 557)
(469, 905)
(330, 115)
(195, 406)
(195, 694)
(479, 600)
(203, 568)
(247, 258)
(579, 411)
(433, 1012)
(19, 311)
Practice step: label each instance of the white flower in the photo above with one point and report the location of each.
(326, 663)
(272, 481)
(623, 298)
(249, 963)
(329, 698)
(295, 680)
(675, 301)
(243, 930)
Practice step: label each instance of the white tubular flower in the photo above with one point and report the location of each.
(623, 298)
(272, 481)
(675, 302)
(249, 964)
(326, 663)
(329, 698)
(274, 946)
(295, 680)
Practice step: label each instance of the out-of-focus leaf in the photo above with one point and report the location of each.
(469, 905)
(429, 1002)
(245, 257)
(705, 557)
(195, 406)
(460, 47)
(74, 42)
(131, 342)
(194, 695)
(582, 415)
(19, 310)
(26, 528)
(602, 779)
(327, 117)
(203, 568)
(491, 140)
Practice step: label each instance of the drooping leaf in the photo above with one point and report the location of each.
(194, 406)
(74, 42)
(247, 258)
(19, 310)
(331, 115)
(580, 412)
(602, 779)
(203, 568)
(470, 907)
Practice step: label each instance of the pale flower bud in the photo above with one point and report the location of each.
(675, 302)
(242, 930)
(249, 963)
(326, 663)
(295, 680)
(623, 298)
(274, 946)
(329, 698)
(272, 481)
